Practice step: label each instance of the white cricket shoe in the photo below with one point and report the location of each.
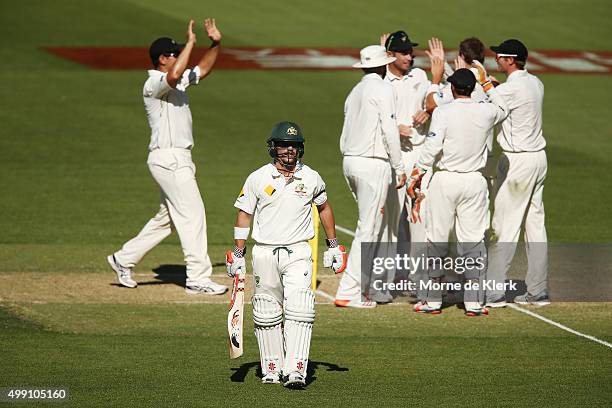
(271, 378)
(124, 275)
(294, 380)
(355, 303)
(206, 288)
(431, 308)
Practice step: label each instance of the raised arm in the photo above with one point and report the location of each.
(175, 74)
(210, 57)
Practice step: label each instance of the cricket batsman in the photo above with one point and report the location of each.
(279, 196)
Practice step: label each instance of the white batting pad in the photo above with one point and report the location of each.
(268, 316)
(299, 317)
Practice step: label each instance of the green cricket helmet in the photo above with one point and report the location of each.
(286, 132)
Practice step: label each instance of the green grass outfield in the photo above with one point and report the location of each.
(75, 186)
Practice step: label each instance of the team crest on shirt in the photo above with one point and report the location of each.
(300, 190)
(431, 134)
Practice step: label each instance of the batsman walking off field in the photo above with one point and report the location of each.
(167, 108)
(279, 198)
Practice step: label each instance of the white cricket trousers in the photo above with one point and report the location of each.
(181, 208)
(520, 188)
(369, 181)
(279, 270)
(459, 201)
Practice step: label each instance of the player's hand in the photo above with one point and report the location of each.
(436, 49)
(383, 39)
(234, 264)
(420, 118)
(335, 258)
(405, 130)
(460, 63)
(191, 37)
(415, 196)
(400, 181)
(211, 29)
(481, 72)
(414, 185)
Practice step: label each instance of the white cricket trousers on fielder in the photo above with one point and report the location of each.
(519, 197)
(459, 201)
(181, 208)
(369, 181)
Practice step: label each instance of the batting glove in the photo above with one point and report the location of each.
(335, 258)
(235, 263)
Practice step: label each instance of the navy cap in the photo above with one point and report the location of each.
(163, 45)
(511, 48)
(399, 41)
(463, 79)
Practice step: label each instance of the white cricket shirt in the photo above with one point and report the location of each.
(444, 95)
(369, 128)
(283, 211)
(168, 110)
(522, 131)
(410, 92)
(457, 138)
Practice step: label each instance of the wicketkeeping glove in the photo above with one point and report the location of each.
(234, 264)
(481, 75)
(335, 258)
(414, 196)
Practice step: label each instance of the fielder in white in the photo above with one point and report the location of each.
(167, 108)
(410, 85)
(279, 198)
(520, 179)
(371, 149)
(456, 146)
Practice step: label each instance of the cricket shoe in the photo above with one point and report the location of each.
(355, 303)
(541, 299)
(124, 275)
(497, 303)
(206, 288)
(294, 380)
(271, 378)
(473, 312)
(382, 298)
(424, 307)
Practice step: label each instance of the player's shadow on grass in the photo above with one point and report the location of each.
(241, 372)
(171, 274)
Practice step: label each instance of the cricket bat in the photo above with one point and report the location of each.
(235, 317)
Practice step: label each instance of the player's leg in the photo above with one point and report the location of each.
(268, 313)
(535, 237)
(132, 252)
(299, 301)
(514, 184)
(472, 223)
(187, 212)
(364, 177)
(442, 194)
